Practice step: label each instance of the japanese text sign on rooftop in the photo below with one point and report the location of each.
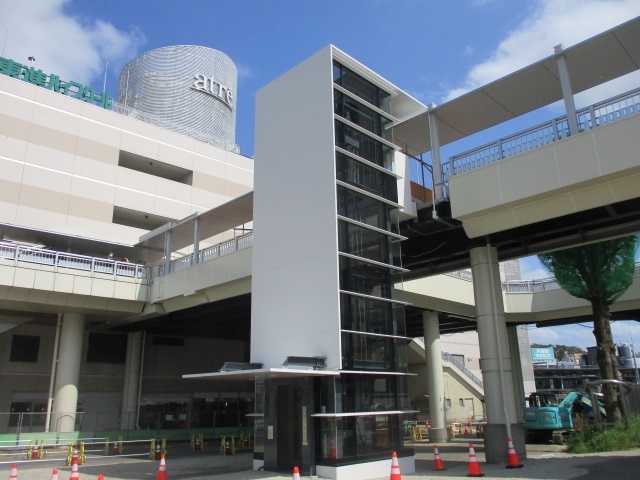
(52, 82)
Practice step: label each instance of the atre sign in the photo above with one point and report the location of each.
(209, 86)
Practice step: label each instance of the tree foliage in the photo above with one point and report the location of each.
(599, 273)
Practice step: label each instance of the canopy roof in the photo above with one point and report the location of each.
(607, 56)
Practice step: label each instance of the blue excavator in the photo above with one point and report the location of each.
(548, 418)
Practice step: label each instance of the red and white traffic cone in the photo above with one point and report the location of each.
(74, 468)
(54, 474)
(514, 462)
(333, 453)
(395, 468)
(437, 462)
(162, 470)
(474, 467)
(296, 473)
(14, 472)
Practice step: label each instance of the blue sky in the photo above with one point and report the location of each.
(434, 50)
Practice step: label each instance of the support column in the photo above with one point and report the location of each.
(195, 258)
(517, 377)
(567, 91)
(168, 247)
(65, 400)
(438, 183)
(495, 360)
(131, 388)
(435, 380)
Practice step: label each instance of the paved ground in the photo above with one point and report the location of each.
(543, 462)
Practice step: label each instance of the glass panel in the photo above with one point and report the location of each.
(371, 316)
(364, 146)
(359, 114)
(366, 278)
(372, 352)
(366, 243)
(357, 437)
(359, 86)
(366, 177)
(365, 209)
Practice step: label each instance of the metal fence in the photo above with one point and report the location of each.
(235, 244)
(524, 286)
(59, 260)
(605, 112)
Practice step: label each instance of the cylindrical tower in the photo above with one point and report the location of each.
(184, 88)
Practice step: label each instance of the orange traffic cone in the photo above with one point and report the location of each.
(54, 474)
(74, 468)
(395, 468)
(332, 448)
(437, 462)
(14, 472)
(162, 471)
(296, 473)
(514, 462)
(101, 477)
(474, 467)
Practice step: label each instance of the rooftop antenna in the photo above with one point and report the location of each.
(4, 44)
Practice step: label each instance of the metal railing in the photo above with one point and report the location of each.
(447, 357)
(602, 113)
(59, 260)
(543, 285)
(524, 286)
(235, 244)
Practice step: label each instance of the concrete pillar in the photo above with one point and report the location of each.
(495, 360)
(65, 399)
(435, 380)
(131, 386)
(517, 377)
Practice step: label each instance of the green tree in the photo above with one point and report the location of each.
(599, 273)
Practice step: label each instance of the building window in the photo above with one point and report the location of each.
(24, 348)
(106, 348)
(447, 402)
(461, 401)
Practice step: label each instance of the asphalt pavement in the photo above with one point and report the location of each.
(542, 462)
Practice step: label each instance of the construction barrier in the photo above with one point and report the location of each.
(197, 443)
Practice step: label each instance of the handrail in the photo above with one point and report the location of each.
(525, 286)
(210, 253)
(23, 253)
(601, 113)
(447, 357)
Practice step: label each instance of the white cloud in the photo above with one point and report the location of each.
(550, 22)
(69, 46)
(532, 269)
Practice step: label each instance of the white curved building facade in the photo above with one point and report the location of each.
(188, 89)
